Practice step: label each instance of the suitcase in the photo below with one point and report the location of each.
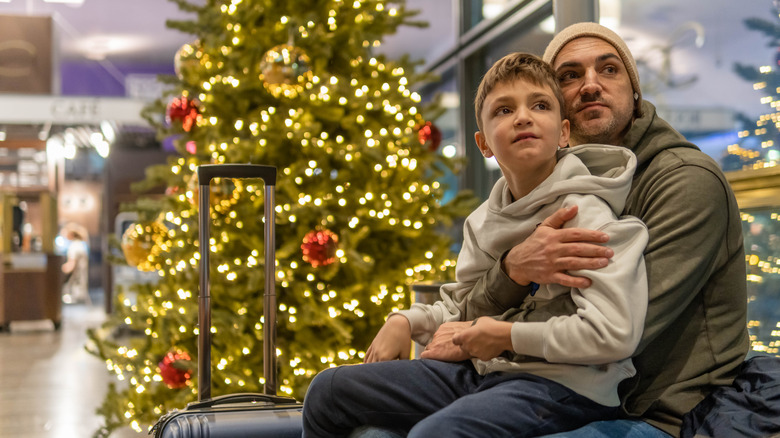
(241, 414)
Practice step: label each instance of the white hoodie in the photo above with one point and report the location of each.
(588, 347)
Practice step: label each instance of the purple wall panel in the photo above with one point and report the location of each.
(96, 78)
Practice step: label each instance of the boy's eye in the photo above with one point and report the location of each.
(502, 110)
(543, 106)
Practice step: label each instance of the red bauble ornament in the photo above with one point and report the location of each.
(319, 247)
(172, 190)
(175, 369)
(429, 134)
(183, 110)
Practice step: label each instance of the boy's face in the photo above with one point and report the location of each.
(522, 128)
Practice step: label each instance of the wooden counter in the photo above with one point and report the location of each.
(30, 288)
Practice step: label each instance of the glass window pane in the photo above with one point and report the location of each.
(712, 73)
(762, 248)
(686, 53)
(476, 11)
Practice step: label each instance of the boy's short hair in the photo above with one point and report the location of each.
(514, 66)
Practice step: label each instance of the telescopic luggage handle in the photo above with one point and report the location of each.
(206, 173)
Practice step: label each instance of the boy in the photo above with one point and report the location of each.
(560, 367)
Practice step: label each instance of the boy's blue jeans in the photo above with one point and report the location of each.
(427, 398)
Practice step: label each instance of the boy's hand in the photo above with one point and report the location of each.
(441, 347)
(486, 339)
(394, 341)
(551, 250)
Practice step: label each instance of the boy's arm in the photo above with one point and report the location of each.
(423, 320)
(394, 341)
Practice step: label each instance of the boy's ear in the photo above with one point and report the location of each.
(565, 131)
(482, 145)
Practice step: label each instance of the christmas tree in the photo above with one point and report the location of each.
(297, 85)
(758, 149)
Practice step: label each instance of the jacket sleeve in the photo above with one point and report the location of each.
(607, 325)
(494, 293)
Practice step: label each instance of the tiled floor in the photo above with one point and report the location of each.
(49, 385)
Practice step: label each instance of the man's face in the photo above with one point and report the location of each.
(597, 91)
(522, 128)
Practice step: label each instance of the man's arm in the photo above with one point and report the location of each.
(544, 258)
(687, 215)
(607, 325)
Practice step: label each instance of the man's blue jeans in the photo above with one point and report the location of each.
(598, 429)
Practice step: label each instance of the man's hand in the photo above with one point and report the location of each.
(441, 347)
(550, 251)
(394, 341)
(485, 339)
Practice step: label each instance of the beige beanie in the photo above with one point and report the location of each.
(587, 29)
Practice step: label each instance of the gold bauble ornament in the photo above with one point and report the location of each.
(285, 70)
(186, 59)
(141, 240)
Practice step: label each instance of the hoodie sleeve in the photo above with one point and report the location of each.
(607, 325)
(453, 305)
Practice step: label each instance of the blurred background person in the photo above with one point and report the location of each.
(76, 266)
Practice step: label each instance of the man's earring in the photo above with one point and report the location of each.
(636, 96)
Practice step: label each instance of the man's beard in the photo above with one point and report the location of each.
(604, 128)
(604, 133)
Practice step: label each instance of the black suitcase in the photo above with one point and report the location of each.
(242, 414)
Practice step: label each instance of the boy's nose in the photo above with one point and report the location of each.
(522, 116)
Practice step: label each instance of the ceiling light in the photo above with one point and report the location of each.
(70, 2)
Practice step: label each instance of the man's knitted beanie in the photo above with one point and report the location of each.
(587, 29)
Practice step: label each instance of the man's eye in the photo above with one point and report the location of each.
(611, 69)
(567, 76)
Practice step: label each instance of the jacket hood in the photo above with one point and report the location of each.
(650, 134)
(601, 170)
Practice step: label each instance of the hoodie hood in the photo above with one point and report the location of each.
(600, 170)
(650, 135)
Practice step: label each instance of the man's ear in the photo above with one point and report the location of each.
(565, 131)
(482, 145)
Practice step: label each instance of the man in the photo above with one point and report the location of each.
(695, 333)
